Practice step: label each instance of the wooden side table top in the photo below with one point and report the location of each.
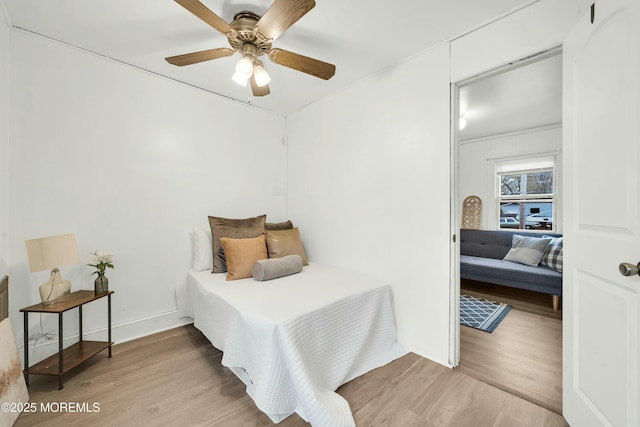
(66, 302)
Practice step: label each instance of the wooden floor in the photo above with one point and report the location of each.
(523, 355)
(175, 379)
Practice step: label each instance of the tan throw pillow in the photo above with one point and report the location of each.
(233, 228)
(241, 254)
(281, 243)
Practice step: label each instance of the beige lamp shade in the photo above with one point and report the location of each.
(50, 252)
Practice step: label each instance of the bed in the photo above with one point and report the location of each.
(294, 340)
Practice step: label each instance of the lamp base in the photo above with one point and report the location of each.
(54, 288)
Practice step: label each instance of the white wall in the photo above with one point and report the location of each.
(477, 164)
(539, 27)
(129, 162)
(369, 169)
(369, 189)
(4, 158)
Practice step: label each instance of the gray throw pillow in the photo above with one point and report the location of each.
(267, 269)
(527, 250)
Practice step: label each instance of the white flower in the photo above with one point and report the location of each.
(100, 260)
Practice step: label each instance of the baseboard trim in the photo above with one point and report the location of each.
(120, 333)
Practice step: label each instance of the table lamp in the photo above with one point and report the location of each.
(49, 253)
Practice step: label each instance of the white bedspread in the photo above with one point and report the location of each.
(296, 339)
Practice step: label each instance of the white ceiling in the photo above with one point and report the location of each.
(360, 37)
(524, 97)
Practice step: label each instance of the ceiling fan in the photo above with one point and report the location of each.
(252, 36)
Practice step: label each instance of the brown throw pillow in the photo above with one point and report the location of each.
(234, 228)
(287, 225)
(281, 243)
(241, 254)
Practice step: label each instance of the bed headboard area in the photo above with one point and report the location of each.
(4, 297)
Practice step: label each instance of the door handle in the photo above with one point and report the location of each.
(628, 269)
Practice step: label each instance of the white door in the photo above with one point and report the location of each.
(602, 217)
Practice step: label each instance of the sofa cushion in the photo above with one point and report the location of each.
(491, 243)
(485, 243)
(507, 273)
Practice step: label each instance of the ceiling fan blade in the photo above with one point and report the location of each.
(311, 66)
(257, 90)
(204, 13)
(281, 15)
(203, 55)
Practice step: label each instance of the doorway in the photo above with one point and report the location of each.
(512, 116)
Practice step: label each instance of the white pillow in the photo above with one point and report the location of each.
(202, 249)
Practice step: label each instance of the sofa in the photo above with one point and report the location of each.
(481, 259)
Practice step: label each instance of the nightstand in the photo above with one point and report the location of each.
(72, 356)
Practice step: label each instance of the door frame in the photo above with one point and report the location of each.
(455, 203)
(454, 224)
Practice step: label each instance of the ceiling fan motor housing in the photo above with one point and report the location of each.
(244, 33)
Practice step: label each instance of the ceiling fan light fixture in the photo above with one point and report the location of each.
(240, 78)
(245, 66)
(260, 74)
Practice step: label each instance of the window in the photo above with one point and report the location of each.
(526, 196)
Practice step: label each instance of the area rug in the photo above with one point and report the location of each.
(482, 314)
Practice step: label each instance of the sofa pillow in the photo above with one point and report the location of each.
(201, 249)
(273, 268)
(241, 254)
(281, 243)
(552, 256)
(286, 225)
(234, 228)
(527, 250)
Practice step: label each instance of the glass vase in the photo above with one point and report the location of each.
(101, 284)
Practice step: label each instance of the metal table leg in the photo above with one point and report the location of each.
(26, 348)
(60, 351)
(109, 318)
